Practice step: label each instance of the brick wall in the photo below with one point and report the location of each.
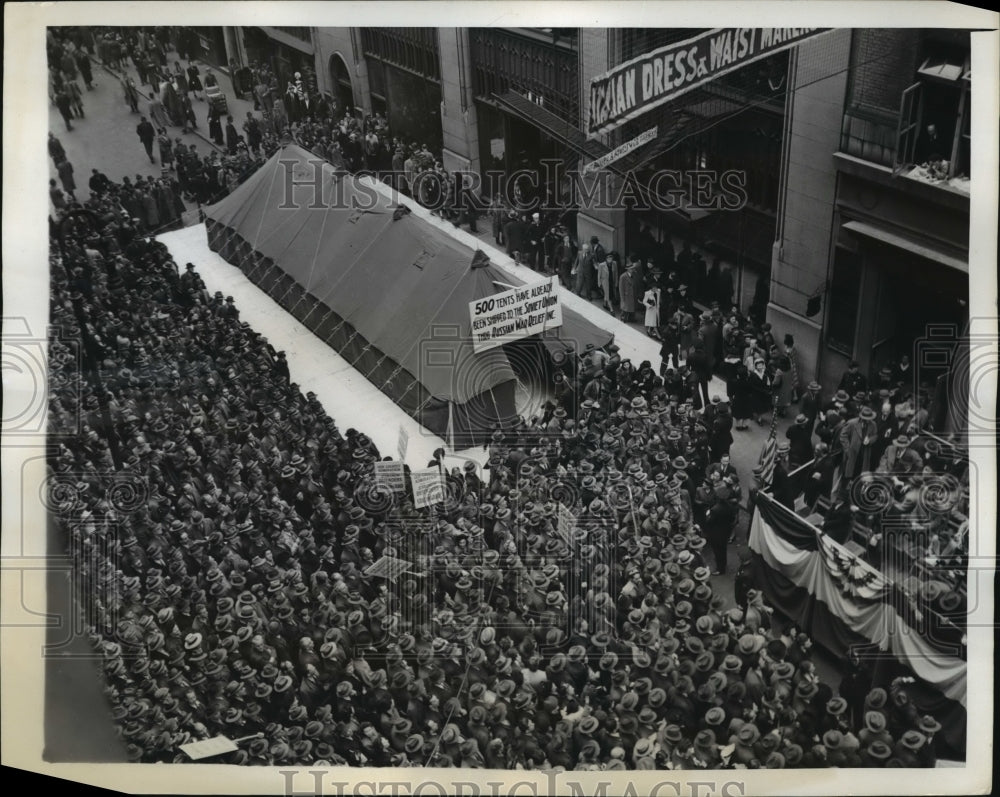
(883, 63)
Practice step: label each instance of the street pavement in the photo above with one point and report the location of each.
(105, 138)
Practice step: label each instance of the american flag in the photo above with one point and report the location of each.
(769, 453)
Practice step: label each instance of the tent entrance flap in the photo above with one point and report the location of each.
(475, 420)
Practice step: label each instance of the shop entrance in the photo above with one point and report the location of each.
(284, 61)
(526, 148)
(919, 302)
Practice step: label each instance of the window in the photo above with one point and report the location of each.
(565, 37)
(934, 113)
(413, 49)
(845, 290)
(908, 101)
(639, 41)
(908, 129)
(507, 59)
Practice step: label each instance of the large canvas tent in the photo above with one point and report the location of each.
(387, 290)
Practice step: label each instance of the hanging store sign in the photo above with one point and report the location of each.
(621, 151)
(515, 314)
(639, 85)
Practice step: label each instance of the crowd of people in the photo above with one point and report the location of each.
(201, 179)
(863, 459)
(155, 203)
(236, 596)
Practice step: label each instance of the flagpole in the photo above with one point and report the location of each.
(768, 452)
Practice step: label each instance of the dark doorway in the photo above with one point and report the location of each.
(526, 148)
(340, 81)
(929, 307)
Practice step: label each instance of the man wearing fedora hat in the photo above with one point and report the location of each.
(928, 726)
(853, 381)
(720, 519)
(888, 426)
(811, 403)
(899, 459)
(799, 436)
(855, 440)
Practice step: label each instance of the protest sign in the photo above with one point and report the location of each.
(217, 745)
(428, 487)
(515, 314)
(391, 476)
(387, 567)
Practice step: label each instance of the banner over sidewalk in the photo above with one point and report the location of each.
(639, 85)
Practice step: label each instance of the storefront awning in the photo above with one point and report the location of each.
(682, 121)
(920, 248)
(278, 35)
(575, 139)
(550, 124)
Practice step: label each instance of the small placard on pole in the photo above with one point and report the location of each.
(565, 520)
(217, 745)
(389, 567)
(390, 475)
(428, 487)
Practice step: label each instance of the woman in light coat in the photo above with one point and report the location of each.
(604, 283)
(652, 302)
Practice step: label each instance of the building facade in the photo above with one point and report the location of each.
(850, 240)
(871, 245)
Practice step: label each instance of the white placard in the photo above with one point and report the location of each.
(388, 567)
(206, 748)
(566, 520)
(428, 487)
(391, 476)
(515, 314)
